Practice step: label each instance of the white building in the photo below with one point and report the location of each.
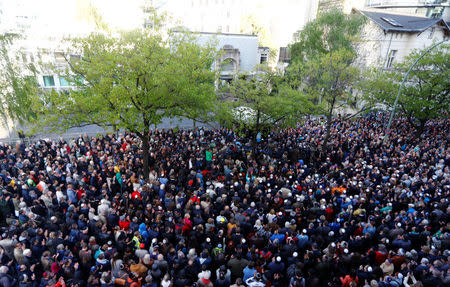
(239, 52)
(427, 8)
(388, 37)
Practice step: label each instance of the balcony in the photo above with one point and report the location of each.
(406, 3)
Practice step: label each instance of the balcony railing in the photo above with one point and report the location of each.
(406, 3)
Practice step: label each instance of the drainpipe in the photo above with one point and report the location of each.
(387, 52)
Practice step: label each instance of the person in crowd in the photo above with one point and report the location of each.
(217, 209)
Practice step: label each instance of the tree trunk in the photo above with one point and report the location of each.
(420, 129)
(255, 135)
(328, 130)
(145, 150)
(258, 118)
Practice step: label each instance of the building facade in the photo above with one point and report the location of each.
(427, 8)
(394, 27)
(388, 37)
(239, 52)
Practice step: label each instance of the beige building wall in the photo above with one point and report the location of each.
(376, 46)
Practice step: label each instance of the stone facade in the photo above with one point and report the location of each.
(326, 5)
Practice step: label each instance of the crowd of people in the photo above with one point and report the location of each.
(220, 210)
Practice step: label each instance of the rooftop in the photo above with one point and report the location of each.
(401, 22)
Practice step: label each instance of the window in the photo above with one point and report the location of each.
(32, 80)
(63, 82)
(285, 55)
(391, 58)
(49, 81)
(228, 14)
(228, 65)
(228, 28)
(391, 21)
(59, 57)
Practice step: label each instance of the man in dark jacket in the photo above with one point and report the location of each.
(5, 279)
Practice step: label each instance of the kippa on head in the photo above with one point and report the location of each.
(146, 259)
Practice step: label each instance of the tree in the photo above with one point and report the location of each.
(322, 62)
(328, 79)
(425, 95)
(262, 101)
(330, 31)
(18, 85)
(133, 80)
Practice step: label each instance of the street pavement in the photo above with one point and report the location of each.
(93, 130)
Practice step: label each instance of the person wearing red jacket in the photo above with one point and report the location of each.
(349, 279)
(60, 283)
(136, 195)
(187, 227)
(329, 212)
(124, 223)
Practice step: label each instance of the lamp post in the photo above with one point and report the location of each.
(403, 83)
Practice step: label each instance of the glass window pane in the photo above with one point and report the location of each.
(49, 81)
(63, 82)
